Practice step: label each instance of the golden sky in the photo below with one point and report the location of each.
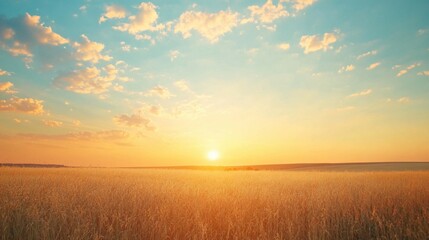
(134, 83)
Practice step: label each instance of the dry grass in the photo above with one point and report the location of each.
(185, 204)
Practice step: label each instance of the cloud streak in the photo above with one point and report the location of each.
(360, 94)
(406, 70)
(373, 66)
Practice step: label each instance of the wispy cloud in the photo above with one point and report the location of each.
(347, 68)
(373, 66)
(4, 73)
(404, 100)
(159, 91)
(182, 85)
(52, 123)
(173, 54)
(370, 53)
(134, 120)
(404, 71)
(424, 73)
(360, 94)
(422, 31)
(283, 46)
(17, 120)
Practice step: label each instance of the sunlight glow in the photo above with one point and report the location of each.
(213, 155)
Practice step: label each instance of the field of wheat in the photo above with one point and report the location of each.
(192, 204)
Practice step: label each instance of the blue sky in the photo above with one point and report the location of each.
(297, 80)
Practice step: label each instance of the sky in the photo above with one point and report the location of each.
(131, 83)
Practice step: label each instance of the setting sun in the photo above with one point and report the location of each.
(213, 155)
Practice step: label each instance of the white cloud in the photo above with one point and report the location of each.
(210, 25)
(373, 66)
(22, 105)
(362, 93)
(370, 53)
(266, 13)
(404, 71)
(113, 11)
(302, 4)
(23, 35)
(44, 35)
(90, 51)
(88, 80)
(347, 68)
(284, 46)
(145, 20)
(313, 43)
(173, 54)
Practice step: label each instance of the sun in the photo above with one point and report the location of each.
(213, 155)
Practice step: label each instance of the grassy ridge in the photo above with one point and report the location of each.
(183, 204)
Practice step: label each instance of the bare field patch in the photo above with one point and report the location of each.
(191, 204)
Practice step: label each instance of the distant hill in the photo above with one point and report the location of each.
(31, 165)
(362, 166)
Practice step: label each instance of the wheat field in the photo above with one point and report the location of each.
(192, 204)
